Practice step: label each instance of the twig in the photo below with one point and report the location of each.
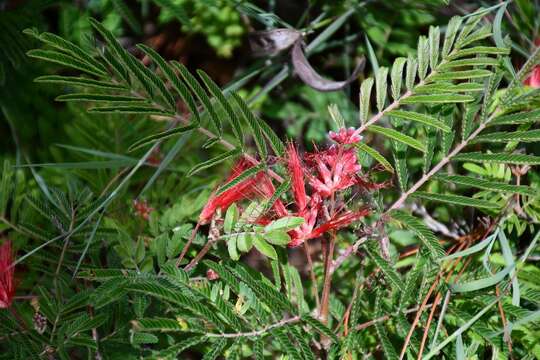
(348, 252)
(325, 298)
(188, 244)
(399, 203)
(432, 223)
(264, 330)
(422, 307)
(314, 286)
(200, 255)
(387, 317)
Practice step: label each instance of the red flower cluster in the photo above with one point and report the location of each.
(7, 270)
(327, 172)
(142, 209)
(316, 180)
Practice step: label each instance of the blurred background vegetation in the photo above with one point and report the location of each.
(79, 152)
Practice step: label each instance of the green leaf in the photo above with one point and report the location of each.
(286, 344)
(451, 31)
(98, 97)
(161, 136)
(167, 70)
(158, 324)
(243, 176)
(275, 142)
(468, 120)
(525, 117)
(388, 348)
(516, 159)
(471, 250)
(389, 272)
(319, 327)
(399, 153)
(437, 99)
(480, 34)
(410, 75)
(156, 83)
(456, 200)
(201, 95)
(434, 40)
(231, 248)
(65, 60)
(486, 185)
(253, 124)
(216, 350)
(381, 79)
(479, 50)
(139, 71)
(448, 87)
(375, 155)
(125, 12)
(231, 115)
(397, 136)
(436, 350)
(70, 48)
(521, 136)
(175, 81)
(285, 223)
(460, 75)
(264, 248)
(365, 97)
(423, 57)
(212, 162)
(422, 231)
(421, 118)
(231, 218)
(130, 109)
(396, 76)
(79, 81)
(281, 189)
(244, 242)
(475, 61)
(277, 237)
(481, 283)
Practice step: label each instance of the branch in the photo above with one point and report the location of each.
(399, 203)
(264, 330)
(348, 252)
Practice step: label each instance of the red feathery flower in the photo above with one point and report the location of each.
(345, 136)
(340, 221)
(7, 270)
(309, 213)
(296, 171)
(142, 209)
(337, 169)
(258, 185)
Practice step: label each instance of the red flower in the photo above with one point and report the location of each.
(345, 136)
(7, 288)
(340, 221)
(337, 169)
(258, 185)
(212, 275)
(142, 209)
(296, 171)
(309, 213)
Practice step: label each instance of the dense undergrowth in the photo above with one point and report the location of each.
(256, 209)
